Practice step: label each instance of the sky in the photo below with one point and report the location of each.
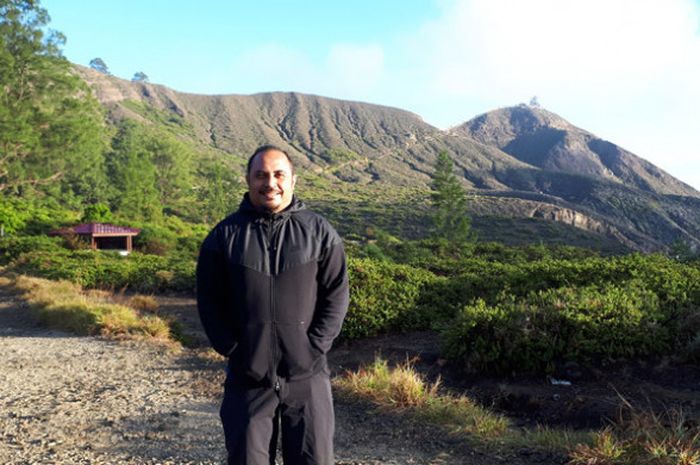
(625, 70)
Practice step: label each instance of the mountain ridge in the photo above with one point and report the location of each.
(378, 148)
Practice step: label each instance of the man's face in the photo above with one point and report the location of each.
(271, 182)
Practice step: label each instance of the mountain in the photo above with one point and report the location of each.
(547, 141)
(368, 164)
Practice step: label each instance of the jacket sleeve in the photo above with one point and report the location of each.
(332, 299)
(212, 295)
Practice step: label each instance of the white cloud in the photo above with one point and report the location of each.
(272, 67)
(355, 68)
(513, 45)
(346, 71)
(626, 70)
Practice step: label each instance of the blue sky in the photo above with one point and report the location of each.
(628, 71)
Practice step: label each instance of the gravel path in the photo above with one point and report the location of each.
(86, 400)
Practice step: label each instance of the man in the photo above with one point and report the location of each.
(272, 293)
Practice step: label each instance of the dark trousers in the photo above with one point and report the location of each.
(302, 411)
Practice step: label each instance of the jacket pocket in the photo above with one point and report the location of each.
(252, 356)
(298, 356)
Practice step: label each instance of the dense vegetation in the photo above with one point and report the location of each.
(499, 308)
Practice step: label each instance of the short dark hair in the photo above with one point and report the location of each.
(267, 148)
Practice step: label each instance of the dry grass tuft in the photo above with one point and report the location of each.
(643, 437)
(144, 303)
(64, 305)
(403, 388)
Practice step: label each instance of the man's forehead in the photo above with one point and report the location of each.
(272, 160)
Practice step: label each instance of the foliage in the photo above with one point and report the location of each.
(449, 201)
(587, 324)
(134, 175)
(108, 270)
(51, 129)
(99, 65)
(219, 191)
(140, 76)
(383, 296)
(14, 247)
(97, 213)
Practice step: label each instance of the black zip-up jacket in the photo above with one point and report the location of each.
(272, 292)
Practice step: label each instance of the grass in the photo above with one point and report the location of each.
(638, 437)
(643, 437)
(66, 306)
(404, 389)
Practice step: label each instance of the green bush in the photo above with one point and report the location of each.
(12, 247)
(385, 296)
(588, 324)
(104, 269)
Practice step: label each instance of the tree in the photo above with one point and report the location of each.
(97, 213)
(219, 193)
(449, 201)
(133, 175)
(99, 65)
(173, 163)
(140, 76)
(52, 133)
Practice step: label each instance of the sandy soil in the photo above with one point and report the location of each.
(87, 400)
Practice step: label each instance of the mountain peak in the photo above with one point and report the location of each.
(547, 141)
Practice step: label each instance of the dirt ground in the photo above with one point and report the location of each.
(574, 397)
(86, 400)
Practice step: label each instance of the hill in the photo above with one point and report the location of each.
(371, 164)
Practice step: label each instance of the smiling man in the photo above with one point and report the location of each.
(272, 293)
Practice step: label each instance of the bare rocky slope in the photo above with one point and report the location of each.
(522, 155)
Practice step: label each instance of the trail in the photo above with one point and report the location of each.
(88, 400)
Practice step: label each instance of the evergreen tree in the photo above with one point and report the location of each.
(220, 193)
(140, 76)
(99, 65)
(133, 175)
(173, 163)
(51, 129)
(449, 201)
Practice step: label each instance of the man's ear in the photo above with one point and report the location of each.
(294, 181)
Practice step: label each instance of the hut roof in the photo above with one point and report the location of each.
(98, 229)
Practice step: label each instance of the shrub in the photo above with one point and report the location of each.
(589, 325)
(13, 247)
(384, 296)
(105, 269)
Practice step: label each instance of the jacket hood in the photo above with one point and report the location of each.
(247, 207)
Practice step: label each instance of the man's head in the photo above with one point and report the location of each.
(271, 179)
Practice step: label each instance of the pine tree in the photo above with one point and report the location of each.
(134, 175)
(450, 219)
(51, 129)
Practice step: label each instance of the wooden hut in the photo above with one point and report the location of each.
(102, 236)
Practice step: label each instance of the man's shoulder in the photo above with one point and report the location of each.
(318, 226)
(314, 219)
(225, 228)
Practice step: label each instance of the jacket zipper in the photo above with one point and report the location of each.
(273, 316)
